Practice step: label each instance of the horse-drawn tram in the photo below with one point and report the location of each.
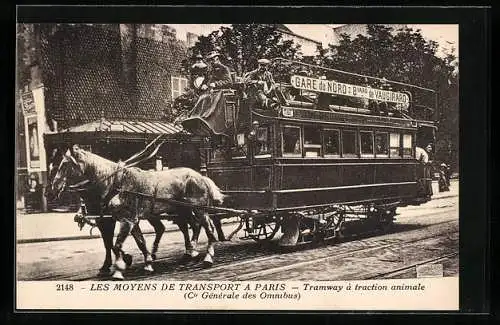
(323, 148)
(294, 148)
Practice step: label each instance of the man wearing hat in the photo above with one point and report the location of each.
(199, 74)
(263, 78)
(444, 181)
(220, 75)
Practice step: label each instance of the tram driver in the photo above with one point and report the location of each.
(423, 157)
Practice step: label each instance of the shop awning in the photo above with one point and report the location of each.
(104, 125)
(128, 130)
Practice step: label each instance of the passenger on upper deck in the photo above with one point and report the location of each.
(264, 81)
(199, 75)
(324, 99)
(209, 113)
(220, 75)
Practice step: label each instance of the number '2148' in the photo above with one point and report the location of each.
(64, 287)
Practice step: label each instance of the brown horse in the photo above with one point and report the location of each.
(139, 196)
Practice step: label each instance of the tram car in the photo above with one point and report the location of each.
(337, 149)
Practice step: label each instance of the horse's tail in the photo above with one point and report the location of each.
(215, 192)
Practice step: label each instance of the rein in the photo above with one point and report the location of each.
(78, 187)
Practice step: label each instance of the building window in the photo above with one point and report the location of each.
(394, 145)
(366, 139)
(407, 146)
(332, 142)
(312, 142)
(381, 144)
(291, 141)
(179, 86)
(348, 143)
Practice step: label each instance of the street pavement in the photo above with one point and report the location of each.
(420, 233)
(55, 226)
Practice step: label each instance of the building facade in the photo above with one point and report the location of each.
(308, 46)
(73, 75)
(353, 30)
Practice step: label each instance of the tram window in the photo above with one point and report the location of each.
(332, 142)
(366, 143)
(381, 148)
(241, 149)
(291, 141)
(262, 141)
(312, 142)
(407, 146)
(348, 143)
(394, 144)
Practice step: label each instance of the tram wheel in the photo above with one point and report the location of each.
(261, 231)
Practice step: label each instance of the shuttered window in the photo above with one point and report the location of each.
(179, 86)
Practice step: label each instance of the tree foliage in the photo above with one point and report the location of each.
(405, 56)
(241, 45)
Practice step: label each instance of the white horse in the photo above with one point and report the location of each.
(134, 194)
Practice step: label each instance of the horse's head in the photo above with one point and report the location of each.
(64, 168)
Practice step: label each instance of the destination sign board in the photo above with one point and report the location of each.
(338, 88)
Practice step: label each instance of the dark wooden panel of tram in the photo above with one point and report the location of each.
(249, 187)
(330, 181)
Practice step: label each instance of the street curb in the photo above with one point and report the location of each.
(50, 239)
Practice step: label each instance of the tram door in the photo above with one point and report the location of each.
(425, 140)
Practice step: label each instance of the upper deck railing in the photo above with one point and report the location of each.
(309, 85)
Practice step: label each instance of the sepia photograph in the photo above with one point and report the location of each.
(298, 160)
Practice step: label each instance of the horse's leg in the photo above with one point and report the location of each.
(183, 227)
(107, 228)
(206, 223)
(218, 228)
(141, 243)
(159, 230)
(125, 228)
(195, 226)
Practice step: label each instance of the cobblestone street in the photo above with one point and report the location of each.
(423, 234)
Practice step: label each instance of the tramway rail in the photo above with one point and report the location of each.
(234, 265)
